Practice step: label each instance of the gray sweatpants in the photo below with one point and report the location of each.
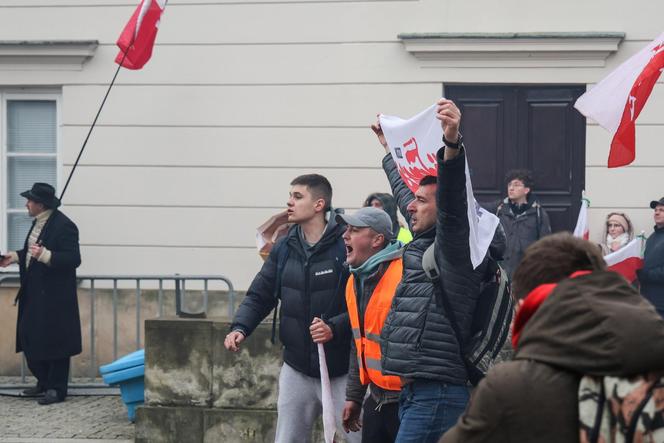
(299, 405)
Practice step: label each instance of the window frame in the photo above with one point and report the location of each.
(23, 95)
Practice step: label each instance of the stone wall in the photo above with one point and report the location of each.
(196, 391)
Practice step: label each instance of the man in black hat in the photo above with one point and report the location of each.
(651, 277)
(48, 329)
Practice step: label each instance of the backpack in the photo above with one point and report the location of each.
(491, 321)
(621, 410)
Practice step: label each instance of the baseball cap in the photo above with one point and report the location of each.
(655, 203)
(369, 217)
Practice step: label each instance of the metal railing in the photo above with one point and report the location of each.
(179, 287)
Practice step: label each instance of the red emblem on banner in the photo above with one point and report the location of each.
(415, 168)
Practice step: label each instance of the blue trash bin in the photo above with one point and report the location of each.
(128, 372)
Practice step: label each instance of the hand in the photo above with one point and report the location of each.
(320, 331)
(379, 133)
(36, 251)
(450, 119)
(351, 417)
(6, 261)
(233, 340)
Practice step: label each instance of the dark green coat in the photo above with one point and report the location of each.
(596, 324)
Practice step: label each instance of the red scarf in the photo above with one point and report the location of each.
(531, 304)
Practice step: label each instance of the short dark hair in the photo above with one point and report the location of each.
(552, 259)
(525, 175)
(318, 185)
(429, 180)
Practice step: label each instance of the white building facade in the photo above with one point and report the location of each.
(193, 152)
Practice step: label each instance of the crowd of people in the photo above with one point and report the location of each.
(393, 335)
(394, 351)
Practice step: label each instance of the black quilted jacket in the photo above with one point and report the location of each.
(417, 340)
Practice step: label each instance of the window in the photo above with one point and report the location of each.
(29, 153)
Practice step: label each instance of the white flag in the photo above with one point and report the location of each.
(581, 229)
(413, 144)
(329, 423)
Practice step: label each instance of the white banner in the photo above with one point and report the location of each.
(329, 423)
(413, 144)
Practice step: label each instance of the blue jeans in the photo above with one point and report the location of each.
(427, 409)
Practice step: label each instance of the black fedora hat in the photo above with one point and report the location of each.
(42, 193)
(655, 203)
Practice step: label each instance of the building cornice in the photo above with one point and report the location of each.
(564, 49)
(67, 55)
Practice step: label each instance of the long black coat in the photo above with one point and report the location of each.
(48, 325)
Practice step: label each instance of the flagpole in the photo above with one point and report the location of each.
(94, 122)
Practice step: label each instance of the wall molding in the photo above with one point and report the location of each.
(512, 50)
(60, 55)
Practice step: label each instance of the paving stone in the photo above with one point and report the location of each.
(98, 417)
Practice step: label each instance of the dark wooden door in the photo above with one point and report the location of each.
(525, 126)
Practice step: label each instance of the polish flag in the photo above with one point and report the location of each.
(627, 260)
(581, 230)
(616, 102)
(138, 36)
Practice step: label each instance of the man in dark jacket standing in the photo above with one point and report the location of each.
(651, 277)
(522, 217)
(575, 318)
(48, 329)
(418, 341)
(305, 270)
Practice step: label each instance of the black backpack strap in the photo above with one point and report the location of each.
(281, 253)
(432, 271)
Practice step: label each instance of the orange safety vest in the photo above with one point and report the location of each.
(368, 344)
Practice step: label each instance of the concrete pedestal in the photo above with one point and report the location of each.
(196, 391)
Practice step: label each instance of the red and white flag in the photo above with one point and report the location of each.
(413, 144)
(616, 101)
(138, 36)
(627, 260)
(581, 230)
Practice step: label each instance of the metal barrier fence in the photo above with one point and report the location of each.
(179, 286)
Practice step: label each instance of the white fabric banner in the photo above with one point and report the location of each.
(413, 144)
(581, 229)
(329, 423)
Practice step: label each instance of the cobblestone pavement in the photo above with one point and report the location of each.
(78, 417)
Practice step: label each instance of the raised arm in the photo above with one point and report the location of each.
(402, 194)
(452, 229)
(460, 282)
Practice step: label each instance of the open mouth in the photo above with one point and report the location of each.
(349, 249)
